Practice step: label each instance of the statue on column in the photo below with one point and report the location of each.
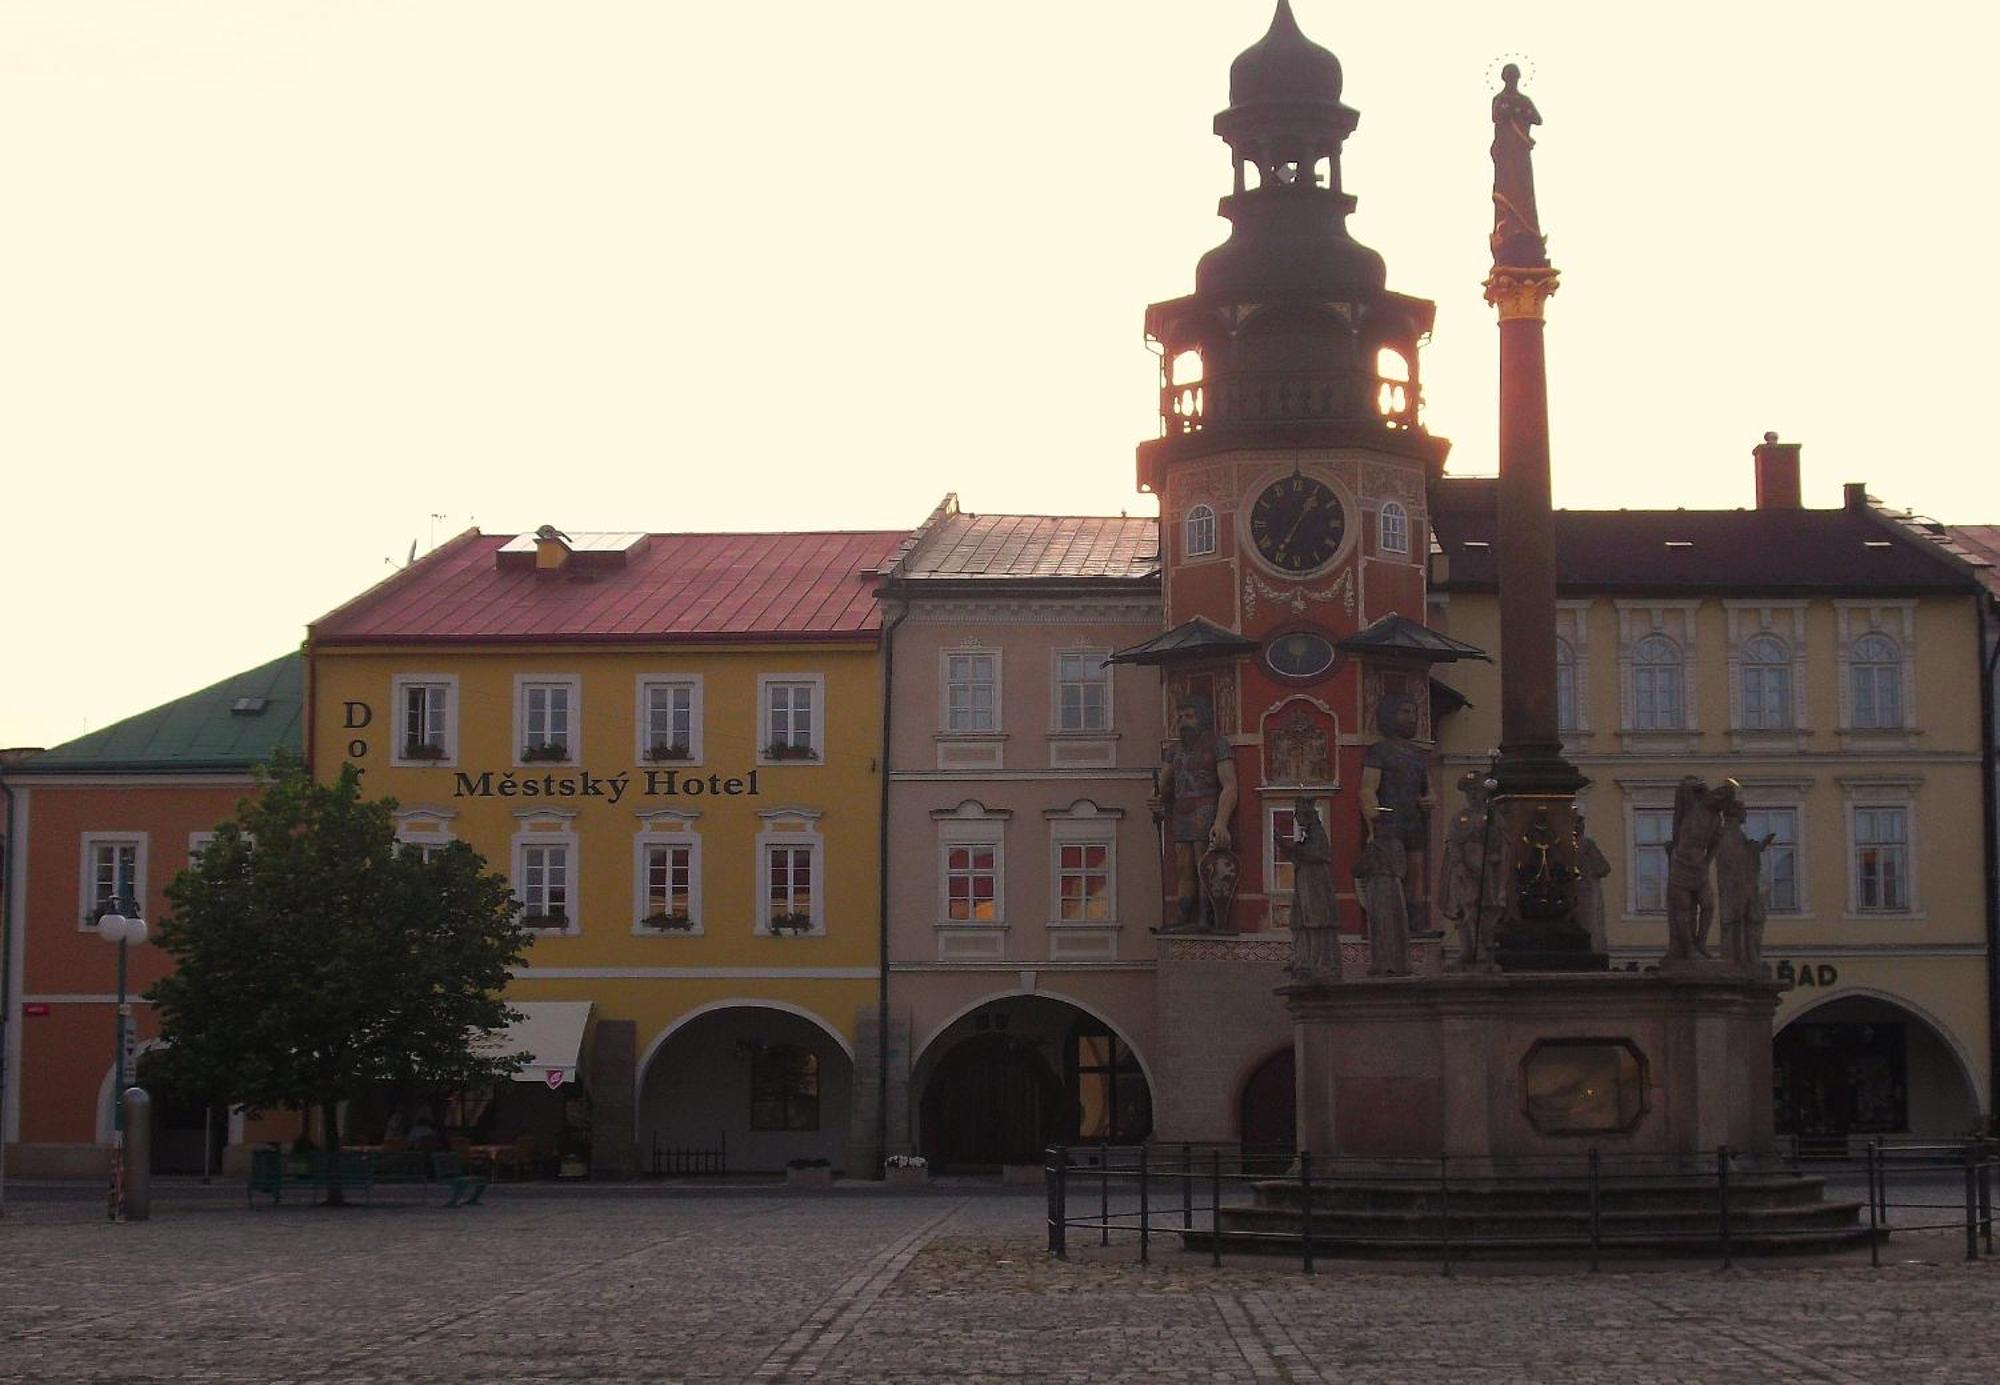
(1592, 869)
(1396, 799)
(1470, 884)
(1196, 798)
(1739, 886)
(1315, 904)
(1378, 884)
(1690, 855)
(1517, 224)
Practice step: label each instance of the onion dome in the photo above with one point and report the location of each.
(1284, 66)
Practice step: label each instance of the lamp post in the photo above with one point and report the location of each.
(120, 929)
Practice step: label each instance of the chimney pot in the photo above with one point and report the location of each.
(1777, 474)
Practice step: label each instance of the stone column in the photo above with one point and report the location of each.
(614, 1108)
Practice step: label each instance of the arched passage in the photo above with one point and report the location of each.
(766, 1085)
(1267, 1109)
(1013, 1075)
(1867, 1064)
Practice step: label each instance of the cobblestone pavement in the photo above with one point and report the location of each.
(932, 1285)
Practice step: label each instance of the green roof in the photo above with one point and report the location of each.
(234, 725)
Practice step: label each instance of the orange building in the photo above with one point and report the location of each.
(111, 817)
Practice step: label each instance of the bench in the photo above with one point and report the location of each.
(272, 1171)
(449, 1170)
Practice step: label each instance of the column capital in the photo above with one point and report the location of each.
(1520, 292)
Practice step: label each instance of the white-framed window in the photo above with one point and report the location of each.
(1881, 878)
(1765, 692)
(971, 881)
(427, 830)
(666, 875)
(1779, 866)
(668, 713)
(1281, 825)
(198, 843)
(792, 717)
(1565, 686)
(971, 691)
(547, 718)
(1652, 830)
(1200, 531)
(1659, 688)
(546, 868)
(1875, 683)
(426, 719)
(1084, 881)
(1083, 690)
(1395, 537)
(791, 873)
(114, 875)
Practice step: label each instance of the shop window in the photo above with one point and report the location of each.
(1107, 1088)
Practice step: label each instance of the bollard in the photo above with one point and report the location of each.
(1874, 1220)
(138, 1154)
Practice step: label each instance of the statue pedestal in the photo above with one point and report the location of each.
(1519, 1066)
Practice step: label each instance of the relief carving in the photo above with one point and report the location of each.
(1299, 750)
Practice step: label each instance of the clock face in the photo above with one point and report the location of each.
(1297, 524)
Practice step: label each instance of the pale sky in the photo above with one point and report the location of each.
(281, 280)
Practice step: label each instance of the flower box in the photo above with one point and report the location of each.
(558, 919)
(423, 750)
(669, 750)
(668, 923)
(791, 923)
(544, 752)
(783, 750)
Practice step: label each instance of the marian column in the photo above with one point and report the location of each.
(1535, 827)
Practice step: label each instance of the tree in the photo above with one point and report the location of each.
(315, 955)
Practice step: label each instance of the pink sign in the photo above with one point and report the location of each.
(555, 1077)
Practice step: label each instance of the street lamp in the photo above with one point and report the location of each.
(120, 929)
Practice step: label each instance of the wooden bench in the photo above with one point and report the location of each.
(272, 1171)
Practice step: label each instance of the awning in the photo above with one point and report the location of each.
(549, 1034)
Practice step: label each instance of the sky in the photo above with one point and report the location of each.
(290, 286)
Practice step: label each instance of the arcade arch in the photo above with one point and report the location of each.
(1863, 1062)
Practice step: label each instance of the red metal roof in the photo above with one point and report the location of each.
(668, 586)
(1978, 545)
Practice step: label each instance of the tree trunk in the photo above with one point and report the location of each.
(336, 1196)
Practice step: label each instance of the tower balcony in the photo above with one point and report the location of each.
(1251, 399)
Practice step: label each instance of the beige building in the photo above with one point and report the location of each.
(1828, 660)
(1022, 860)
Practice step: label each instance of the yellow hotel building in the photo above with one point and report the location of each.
(671, 744)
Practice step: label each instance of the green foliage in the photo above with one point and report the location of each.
(314, 956)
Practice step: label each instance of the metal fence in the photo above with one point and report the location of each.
(1212, 1197)
(678, 1161)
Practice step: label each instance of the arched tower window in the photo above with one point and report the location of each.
(1659, 685)
(1766, 680)
(1395, 529)
(1200, 531)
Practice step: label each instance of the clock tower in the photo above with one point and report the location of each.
(1291, 470)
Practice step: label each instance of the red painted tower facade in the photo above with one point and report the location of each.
(1291, 470)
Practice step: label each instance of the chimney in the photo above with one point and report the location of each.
(1777, 474)
(552, 548)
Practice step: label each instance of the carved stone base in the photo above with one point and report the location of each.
(1540, 877)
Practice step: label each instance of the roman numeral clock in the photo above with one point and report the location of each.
(1297, 524)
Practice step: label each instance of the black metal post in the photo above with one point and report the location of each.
(1059, 1223)
(1444, 1210)
(1145, 1214)
(1985, 1149)
(1881, 1183)
(1215, 1207)
(1306, 1210)
(1595, 1228)
(1187, 1188)
(1722, 1197)
(1104, 1193)
(1874, 1219)
(1971, 1201)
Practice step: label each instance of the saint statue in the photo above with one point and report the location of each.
(1315, 906)
(1472, 896)
(1378, 884)
(1739, 887)
(1396, 799)
(1690, 853)
(1517, 239)
(1592, 870)
(1196, 798)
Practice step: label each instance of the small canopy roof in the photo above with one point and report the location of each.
(1403, 638)
(1186, 642)
(549, 1035)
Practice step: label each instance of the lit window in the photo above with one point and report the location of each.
(1083, 882)
(1395, 529)
(1875, 677)
(972, 882)
(1200, 531)
(1657, 685)
(1881, 859)
(1083, 687)
(784, 1088)
(1779, 868)
(1652, 829)
(545, 886)
(971, 683)
(1767, 684)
